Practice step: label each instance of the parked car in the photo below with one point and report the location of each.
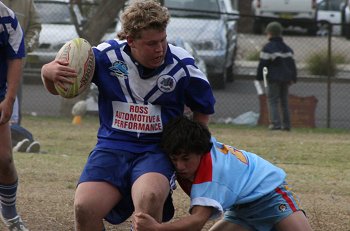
(346, 19)
(300, 13)
(180, 42)
(57, 29)
(211, 27)
(330, 12)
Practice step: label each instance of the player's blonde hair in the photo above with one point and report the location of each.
(142, 15)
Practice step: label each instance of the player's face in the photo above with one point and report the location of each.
(150, 49)
(186, 164)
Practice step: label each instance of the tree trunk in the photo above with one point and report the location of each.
(98, 23)
(102, 18)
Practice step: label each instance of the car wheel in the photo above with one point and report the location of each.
(347, 30)
(229, 70)
(218, 81)
(343, 24)
(229, 73)
(312, 30)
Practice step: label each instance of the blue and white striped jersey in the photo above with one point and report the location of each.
(11, 43)
(133, 108)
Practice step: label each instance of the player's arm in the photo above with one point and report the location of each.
(57, 72)
(195, 221)
(14, 72)
(200, 117)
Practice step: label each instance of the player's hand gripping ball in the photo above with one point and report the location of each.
(78, 53)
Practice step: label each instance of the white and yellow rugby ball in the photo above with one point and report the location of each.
(78, 53)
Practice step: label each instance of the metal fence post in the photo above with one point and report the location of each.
(329, 27)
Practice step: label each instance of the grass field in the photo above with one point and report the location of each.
(317, 162)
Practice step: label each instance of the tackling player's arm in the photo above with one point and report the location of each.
(57, 72)
(195, 221)
(200, 117)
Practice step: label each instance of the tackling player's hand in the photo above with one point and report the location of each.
(144, 222)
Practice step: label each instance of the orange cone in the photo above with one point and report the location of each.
(76, 120)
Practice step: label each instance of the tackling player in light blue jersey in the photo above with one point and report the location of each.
(143, 82)
(11, 55)
(220, 179)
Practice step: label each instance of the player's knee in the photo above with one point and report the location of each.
(151, 197)
(82, 212)
(151, 200)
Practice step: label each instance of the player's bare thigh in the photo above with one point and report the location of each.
(149, 192)
(294, 222)
(100, 197)
(223, 225)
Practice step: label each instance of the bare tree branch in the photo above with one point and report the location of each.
(99, 21)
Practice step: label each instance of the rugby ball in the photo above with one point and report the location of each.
(78, 53)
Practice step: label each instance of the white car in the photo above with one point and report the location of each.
(346, 19)
(300, 13)
(187, 46)
(330, 12)
(57, 29)
(211, 27)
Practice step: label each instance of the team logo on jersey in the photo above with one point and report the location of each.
(119, 69)
(282, 207)
(166, 83)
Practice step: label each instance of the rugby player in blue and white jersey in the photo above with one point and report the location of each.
(220, 179)
(11, 54)
(143, 82)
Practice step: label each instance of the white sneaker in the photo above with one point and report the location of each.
(21, 146)
(14, 224)
(34, 147)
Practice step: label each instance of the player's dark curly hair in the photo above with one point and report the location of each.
(183, 135)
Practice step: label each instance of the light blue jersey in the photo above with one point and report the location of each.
(134, 106)
(227, 176)
(11, 43)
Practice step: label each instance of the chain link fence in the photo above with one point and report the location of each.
(323, 72)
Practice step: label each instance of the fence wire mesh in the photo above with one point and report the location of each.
(323, 72)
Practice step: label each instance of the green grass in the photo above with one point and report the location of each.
(317, 162)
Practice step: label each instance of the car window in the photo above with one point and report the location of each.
(193, 8)
(330, 5)
(54, 13)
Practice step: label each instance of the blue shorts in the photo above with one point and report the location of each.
(265, 212)
(2, 95)
(121, 169)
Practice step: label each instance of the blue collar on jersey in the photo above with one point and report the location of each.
(146, 73)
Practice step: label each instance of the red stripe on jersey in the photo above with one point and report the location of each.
(205, 170)
(286, 198)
